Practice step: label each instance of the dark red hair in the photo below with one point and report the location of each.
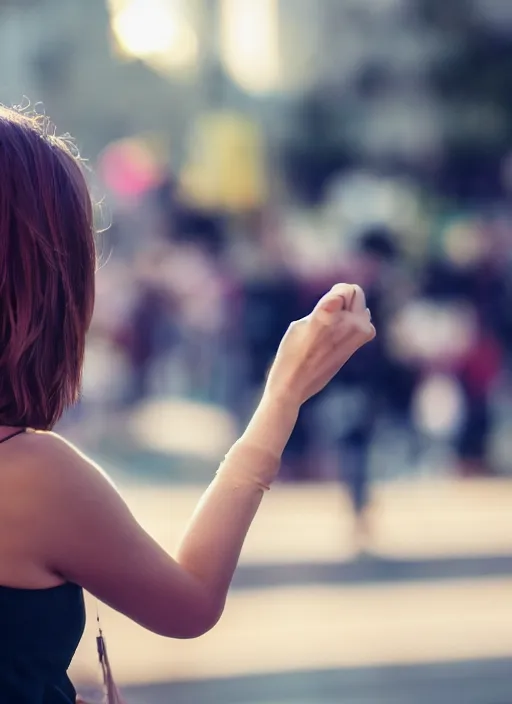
(47, 269)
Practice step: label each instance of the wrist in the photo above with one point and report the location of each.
(272, 423)
(282, 399)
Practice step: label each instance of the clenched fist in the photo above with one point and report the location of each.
(315, 348)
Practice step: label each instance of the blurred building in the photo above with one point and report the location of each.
(62, 53)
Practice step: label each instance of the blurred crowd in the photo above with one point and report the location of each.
(245, 170)
(193, 303)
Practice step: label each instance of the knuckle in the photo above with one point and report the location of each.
(369, 332)
(352, 324)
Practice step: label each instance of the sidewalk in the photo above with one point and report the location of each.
(291, 627)
(469, 682)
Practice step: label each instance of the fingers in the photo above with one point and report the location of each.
(345, 290)
(358, 328)
(343, 297)
(344, 309)
(358, 300)
(339, 298)
(349, 297)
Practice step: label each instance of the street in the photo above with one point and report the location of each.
(305, 621)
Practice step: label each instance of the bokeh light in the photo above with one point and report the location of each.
(155, 31)
(250, 45)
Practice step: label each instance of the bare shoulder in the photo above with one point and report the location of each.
(57, 492)
(64, 489)
(50, 468)
(81, 530)
(58, 456)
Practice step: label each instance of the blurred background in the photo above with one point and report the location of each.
(246, 155)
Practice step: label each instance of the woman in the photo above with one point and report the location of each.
(63, 526)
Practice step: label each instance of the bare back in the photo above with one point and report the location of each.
(21, 564)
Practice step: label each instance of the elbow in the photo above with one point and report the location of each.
(194, 624)
(207, 618)
(197, 629)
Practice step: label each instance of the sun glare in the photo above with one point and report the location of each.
(154, 31)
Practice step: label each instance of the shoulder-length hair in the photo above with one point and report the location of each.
(47, 269)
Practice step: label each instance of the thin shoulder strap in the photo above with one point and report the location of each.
(13, 435)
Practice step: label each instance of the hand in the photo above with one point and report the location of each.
(315, 348)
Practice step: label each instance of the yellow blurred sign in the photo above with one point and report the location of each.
(225, 167)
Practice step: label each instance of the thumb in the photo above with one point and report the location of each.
(337, 299)
(333, 304)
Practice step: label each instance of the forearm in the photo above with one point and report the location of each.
(212, 543)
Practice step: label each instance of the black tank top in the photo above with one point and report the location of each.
(39, 632)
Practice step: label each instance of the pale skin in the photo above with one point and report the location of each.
(61, 519)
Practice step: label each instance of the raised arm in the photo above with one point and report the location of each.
(85, 532)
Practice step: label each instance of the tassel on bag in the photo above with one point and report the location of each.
(111, 694)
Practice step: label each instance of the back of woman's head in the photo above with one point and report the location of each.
(47, 266)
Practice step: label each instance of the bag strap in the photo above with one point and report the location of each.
(112, 694)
